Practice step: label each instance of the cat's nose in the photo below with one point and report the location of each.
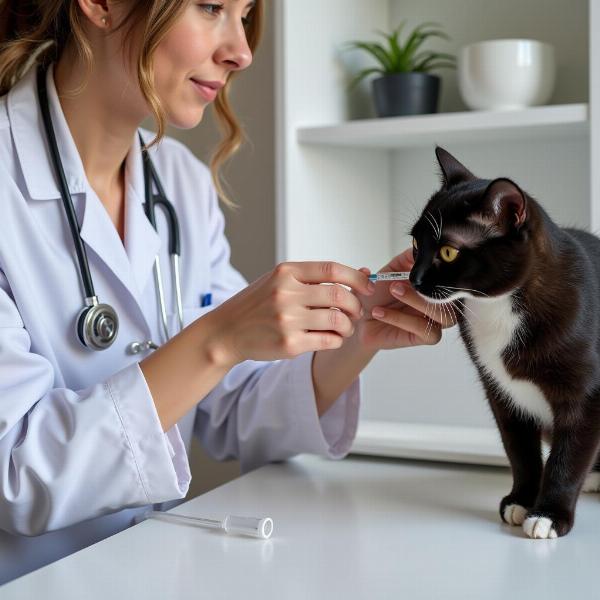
(416, 278)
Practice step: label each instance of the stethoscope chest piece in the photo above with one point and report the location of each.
(97, 326)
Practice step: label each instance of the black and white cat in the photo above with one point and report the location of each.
(526, 294)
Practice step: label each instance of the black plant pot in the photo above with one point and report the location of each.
(400, 94)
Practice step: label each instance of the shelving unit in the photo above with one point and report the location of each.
(540, 122)
(350, 185)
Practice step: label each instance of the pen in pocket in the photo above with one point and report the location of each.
(206, 300)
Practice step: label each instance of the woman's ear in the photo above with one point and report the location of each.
(98, 12)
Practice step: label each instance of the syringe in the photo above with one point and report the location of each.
(390, 276)
(252, 526)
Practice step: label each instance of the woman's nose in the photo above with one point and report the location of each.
(235, 52)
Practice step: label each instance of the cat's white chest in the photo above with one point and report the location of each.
(493, 326)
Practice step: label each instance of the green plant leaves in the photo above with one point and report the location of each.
(398, 57)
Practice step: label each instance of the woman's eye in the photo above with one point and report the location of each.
(448, 253)
(212, 9)
(215, 9)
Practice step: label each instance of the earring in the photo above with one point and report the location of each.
(104, 21)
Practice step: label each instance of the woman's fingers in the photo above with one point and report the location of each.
(327, 272)
(334, 296)
(423, 329)
(441, 313)
(329, 319)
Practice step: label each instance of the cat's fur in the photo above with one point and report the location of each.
(528, 308)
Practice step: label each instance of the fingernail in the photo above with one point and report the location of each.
(371, 286)
(378, 312)
(398, 289)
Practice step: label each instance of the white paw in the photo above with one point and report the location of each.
(514, 514)
(592, 482)
(539, 528)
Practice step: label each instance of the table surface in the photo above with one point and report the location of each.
(357, 528)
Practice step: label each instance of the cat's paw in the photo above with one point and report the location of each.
(592, 482)
(539, 527)
(514, 507)
(514, 514)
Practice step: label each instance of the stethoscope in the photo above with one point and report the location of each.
(97, 323)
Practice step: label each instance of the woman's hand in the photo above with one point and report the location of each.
(397, 316)
(286, 312)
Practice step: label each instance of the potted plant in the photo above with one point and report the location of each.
(406, 86)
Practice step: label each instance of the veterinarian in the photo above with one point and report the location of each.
(124, 329)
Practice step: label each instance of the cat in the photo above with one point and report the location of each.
(526, 295)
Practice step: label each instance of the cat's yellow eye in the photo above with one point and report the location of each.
(448, 253)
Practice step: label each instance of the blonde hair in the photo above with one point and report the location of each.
(39, 31)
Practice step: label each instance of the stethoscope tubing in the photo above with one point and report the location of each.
(151, 201)
(84, 268)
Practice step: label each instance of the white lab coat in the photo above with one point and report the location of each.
(80, 440)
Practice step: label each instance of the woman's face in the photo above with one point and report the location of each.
(196, 57)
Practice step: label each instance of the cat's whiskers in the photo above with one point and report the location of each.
(473, 313)
(461, 289)
(445, 310)
(449, 304)
(437, 230)
(461, 303)
(427, 318)
(439, 305)
(429, 315)
(431, 223)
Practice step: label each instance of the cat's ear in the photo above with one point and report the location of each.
(505, 204)
(453, 172)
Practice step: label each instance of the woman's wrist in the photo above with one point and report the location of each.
(216, 344)
(184, 370)
(334, 370)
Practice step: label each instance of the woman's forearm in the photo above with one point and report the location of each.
(334, 370)
(184, 370)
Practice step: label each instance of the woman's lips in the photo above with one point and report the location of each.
(207, 92)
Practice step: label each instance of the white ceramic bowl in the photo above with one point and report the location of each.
(506, 74)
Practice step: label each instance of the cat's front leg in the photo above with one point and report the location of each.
(574, 448)
(521, 438)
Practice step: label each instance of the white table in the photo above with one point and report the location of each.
(358, 528)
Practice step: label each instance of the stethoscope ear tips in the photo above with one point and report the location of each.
(97, 325)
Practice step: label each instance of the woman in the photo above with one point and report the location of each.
(268, 370)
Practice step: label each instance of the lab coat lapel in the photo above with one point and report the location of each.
(142, 242)
(101, 237)
(131, 264)
(131, 261)
(31, 144)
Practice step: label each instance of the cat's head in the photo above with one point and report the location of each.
(472, 239)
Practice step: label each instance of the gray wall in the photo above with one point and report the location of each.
(561, 23)
(251, 185)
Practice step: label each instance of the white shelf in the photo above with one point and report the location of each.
(474, 445)
(568, 120)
